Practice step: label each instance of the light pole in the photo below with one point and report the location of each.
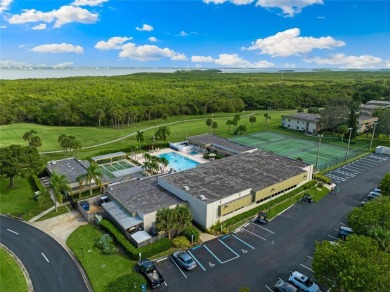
(212, 122)
(318, 150)
(154, 139)
(373, 134)
(349, 141)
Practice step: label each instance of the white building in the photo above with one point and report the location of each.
(308, 123)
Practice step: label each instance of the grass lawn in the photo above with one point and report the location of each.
(19, 200)
(60, 210)
(101, 269)
(11, 277)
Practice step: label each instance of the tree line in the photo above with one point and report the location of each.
(119, 101)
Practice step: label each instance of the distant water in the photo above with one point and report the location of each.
(34, 73)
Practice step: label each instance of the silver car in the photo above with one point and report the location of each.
(184, 260)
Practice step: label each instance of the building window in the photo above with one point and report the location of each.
(288, 119)
(288, 126)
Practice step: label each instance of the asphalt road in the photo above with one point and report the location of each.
(256, 256)
(49, 265)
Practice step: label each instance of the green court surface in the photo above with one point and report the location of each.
(308, 150)
(108, 169)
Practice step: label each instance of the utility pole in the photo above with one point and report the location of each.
(373, 134)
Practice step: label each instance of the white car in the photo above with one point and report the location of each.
(303, 282)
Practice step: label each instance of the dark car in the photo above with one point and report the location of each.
(282, 286)
(150, 272)
(262, 218)
(307, 198)
(84, 205)
(184, 260)
(153, 231)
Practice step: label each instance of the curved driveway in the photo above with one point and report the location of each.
(49, 265)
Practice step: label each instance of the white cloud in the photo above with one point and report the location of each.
(4, 5)
(288, 43)
(58, 48)
(65, 14)
(288, 7)
(145, 27)
(88, 2)
(231, 60)
(288, 65)
(149, 52)
(112, 43)
(343, 61)
(386, 64)
(63, 65)
(11, 63)
(40, 26)
(3, 26)
(153, 39)
(183, 34)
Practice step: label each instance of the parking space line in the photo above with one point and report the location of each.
(307, 268)
(335, 229)
(196, 260)
(309, 257)
(350, 169)
(345, 173)
(263, 228)
(222, 262)
(254, 234)
(369, 162)
(166, 284)
(228, 247)
(243, 241)
(332, 236)
(268, 288)
(178, 267)
(353, 166)
(160, 260)
(372, 160)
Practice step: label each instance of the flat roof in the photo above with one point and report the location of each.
(304, 116)
(108, 156)
(143, 195)
(224, 177)
(140, 236)
(218, 142)
(70, 167)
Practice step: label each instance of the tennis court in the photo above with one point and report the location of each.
(297, 148)
(114, 168)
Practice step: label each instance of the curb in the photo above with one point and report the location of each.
(26, 275)
(67, 249)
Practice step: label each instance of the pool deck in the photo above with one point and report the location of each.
(198, 157)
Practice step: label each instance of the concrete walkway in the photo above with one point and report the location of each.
(206, 237)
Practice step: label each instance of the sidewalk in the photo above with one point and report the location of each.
(206, 237)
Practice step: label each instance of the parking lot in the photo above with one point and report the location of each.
(356, 167)
(256, 256)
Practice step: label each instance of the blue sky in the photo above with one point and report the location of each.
(196, 34)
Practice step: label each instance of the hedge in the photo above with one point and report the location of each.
(189, 231)
(322, 178)
(38, 183)
(146, 251)
(129, 282)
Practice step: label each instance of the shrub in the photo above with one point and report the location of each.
(322, 178)
(146, 251)
(189, 231)
(106, 244)
(129, 282)
(309, 184)
(180, 242)
(320, 184)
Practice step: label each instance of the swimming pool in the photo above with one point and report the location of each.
(179, 162)
(193, 152)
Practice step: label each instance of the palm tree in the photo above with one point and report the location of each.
(163, 132)
(140, 138)
(93, 174)
(209, 122)
(229, 123)
(164, 162)
(60, 184)
(100, 115)
(165, 220)
(214, 125)
(252, 119)
(183, 218)
(343, 129)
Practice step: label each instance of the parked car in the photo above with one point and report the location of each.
(373, 195)
(344, 231)
(84, 205)
(306, 198)
(150, 272)
(153, 231)
(262, 218)
(282, 286)
(184, 260)
(303, 282)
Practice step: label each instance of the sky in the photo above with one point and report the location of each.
(196, 33)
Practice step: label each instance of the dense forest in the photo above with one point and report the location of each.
(119, 100)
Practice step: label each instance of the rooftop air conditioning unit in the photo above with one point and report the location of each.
(186, 188)
(202, 197)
